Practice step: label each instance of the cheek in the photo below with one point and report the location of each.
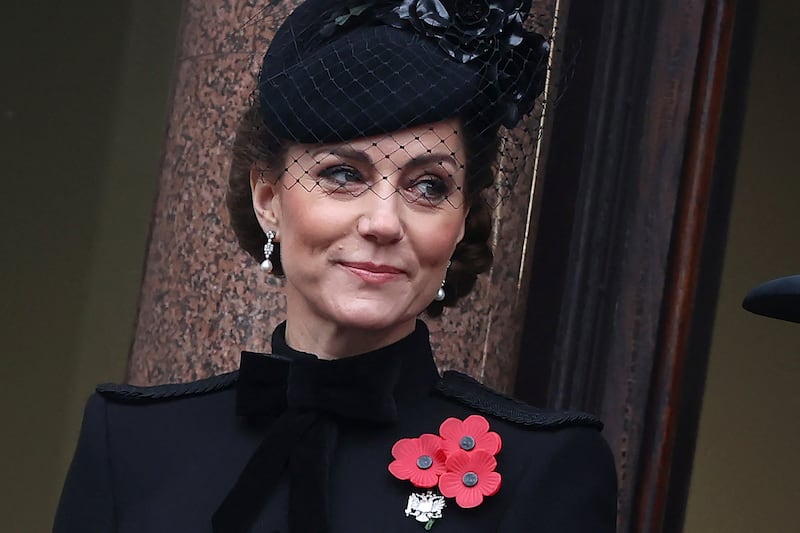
(307, 226)
(436, 247)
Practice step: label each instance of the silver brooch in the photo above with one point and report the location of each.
(425, 507)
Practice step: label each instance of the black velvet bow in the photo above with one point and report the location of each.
(308, 396)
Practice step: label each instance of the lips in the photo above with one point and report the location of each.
(373, 272)
(372, 267)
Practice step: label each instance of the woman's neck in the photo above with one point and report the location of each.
(328, 340)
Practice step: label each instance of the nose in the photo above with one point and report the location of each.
(381, 220)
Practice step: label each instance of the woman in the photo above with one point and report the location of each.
(358, 175)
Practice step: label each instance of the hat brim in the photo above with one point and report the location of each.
(778, 298)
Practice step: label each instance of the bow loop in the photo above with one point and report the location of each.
(346, 388)
(261, 387)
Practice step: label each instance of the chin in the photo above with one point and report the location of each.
(373, 316)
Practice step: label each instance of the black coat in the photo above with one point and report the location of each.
(163, 459)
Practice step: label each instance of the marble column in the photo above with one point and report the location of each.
(204, 300)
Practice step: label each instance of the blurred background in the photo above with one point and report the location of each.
(83, 108)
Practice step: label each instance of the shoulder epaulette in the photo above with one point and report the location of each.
(483, 399)
(169, 391)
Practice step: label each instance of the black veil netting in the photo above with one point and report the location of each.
(337, 71)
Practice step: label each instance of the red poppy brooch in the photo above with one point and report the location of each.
(460, 462)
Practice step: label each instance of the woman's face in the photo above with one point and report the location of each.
(367, 227)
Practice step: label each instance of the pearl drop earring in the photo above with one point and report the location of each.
(266, 264)
(440, 294)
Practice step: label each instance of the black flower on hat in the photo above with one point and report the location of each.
(465, 29)
(486, 33)
(491, 32)
(363, 11)
(520, 77)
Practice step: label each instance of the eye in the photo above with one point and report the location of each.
(342, 178)
(430, 188)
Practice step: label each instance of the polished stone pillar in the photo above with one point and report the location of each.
(203, 300)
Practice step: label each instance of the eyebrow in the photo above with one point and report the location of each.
(430, 159)
(347, 152)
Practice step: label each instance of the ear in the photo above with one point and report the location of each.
(463, 225)
(266, 198)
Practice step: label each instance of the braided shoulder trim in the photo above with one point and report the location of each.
(483, 399)
(134, 394)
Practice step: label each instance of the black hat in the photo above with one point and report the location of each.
(338, 70)
(779, 298)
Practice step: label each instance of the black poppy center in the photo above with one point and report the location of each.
(467, 443)
(470, 479)
(424, 462)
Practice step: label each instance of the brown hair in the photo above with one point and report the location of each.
(256, 145)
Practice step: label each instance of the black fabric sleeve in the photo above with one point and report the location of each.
(87, 502)
(576, 494)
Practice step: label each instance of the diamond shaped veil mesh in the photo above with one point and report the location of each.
(435, 102)
(343, 70)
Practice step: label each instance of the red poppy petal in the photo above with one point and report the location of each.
(475, 425)
(429, 443)
(440, 457)
(405, 448)
(451, 429)
(469, 498)
(424, 479)
(450, 446)
(490, 442)
(482, 462)
(458, 461)
(450, 484)
(490, 483)
(401, 470)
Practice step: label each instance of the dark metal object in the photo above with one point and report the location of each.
(778, 298)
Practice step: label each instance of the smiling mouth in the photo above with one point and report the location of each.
(373, 273)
